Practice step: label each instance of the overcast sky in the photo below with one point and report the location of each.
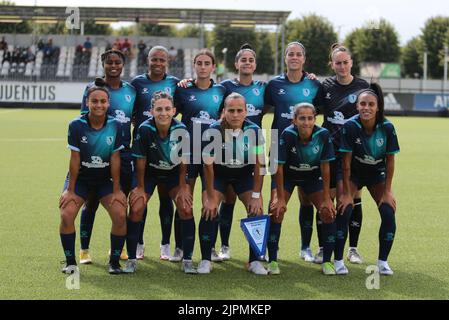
(408, 16)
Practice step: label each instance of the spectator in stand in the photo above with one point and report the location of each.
(87, 45)
(3, 44)
(141, 59)
(30, 56)
(40, 45)
(172, 53)
(117, 44)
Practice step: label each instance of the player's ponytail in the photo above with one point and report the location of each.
(99, 84)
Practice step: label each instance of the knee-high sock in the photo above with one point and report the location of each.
(205, 231)
(226, 215)
(117, 243)
(273, 241)
(87, 222)
(355, 223)
(178, 230)
(188, 237)
(142, 227)
(214, 234)
(329, 233)
(132, 237)
(166, 218)
(342, 232)
(387, 230)
(68, 245)
(306, 225)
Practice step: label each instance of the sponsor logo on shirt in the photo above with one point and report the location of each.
(252, 110)
(368, 160)
(121, 117)
(358, 141)
(83, 139)
(153, 145)
(281, 91)
(96, 163)
(293, 150)
(145, 91)
(290, 114)
(338, 118)
(204, 117)
(328, 96)
(192, 98)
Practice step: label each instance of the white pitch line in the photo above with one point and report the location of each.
(10, 111)
(31, 139)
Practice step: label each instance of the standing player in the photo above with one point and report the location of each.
(253, 91)
(200, 104)
(95, 141)
(368, 144)
(157, 147)
(305, 151)
(122, 96)
(234, 163)
(337, 101)
(156, 79)
(283, 93)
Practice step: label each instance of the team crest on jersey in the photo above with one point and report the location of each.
(380, 142)
(306, 92)
(128, 98)
(109, 140)
(168, 90)
(84, 139)
(216, 98)
(352, 98)
(281, 91)
(192, 98)
(316, 149)
(256, 92)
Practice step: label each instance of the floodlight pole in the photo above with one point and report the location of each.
(424, 69)
(445, 69)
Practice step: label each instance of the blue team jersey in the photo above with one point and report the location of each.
(162, 155)
(254, 96)
(121, 106)
(302, 160)
(199, 106)
(145, 88)
(283, 95)
(237, 155)
(368, 151)
(95, 146)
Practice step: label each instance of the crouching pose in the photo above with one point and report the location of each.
(95, 141)
(235, 164)
(160, 159)
(368, 144)
(304, 154)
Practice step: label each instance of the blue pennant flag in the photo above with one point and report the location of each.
(256, 232)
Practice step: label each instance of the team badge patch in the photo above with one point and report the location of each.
(109, 140)
(168, 90)
(128, 98)
(352, 98)
(380, 142)
(216, 98)
(306, 92)
(316, 149)
(256, 92)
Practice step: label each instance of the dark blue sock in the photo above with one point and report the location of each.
(226, 214)
(188, 237)
(68, 244)
(329, 232)
(87, 223)
(252, 255)
(142, 226)
(117, 243)
(178, 230)
(166, 218)
(273, 241)
(387, 230)
(214, 235)
(355, 223)
(306, 225)
(132, 237)
(319, 230)
(205, 231)
(342, 221)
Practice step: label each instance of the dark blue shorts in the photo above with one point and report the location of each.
(170, 181)
(368, 180)
(85, 187)
(308, 186)
(194, 170)
(126, 172)
(240, 184)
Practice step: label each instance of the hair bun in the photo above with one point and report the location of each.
(99, 82)
(246, 46)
